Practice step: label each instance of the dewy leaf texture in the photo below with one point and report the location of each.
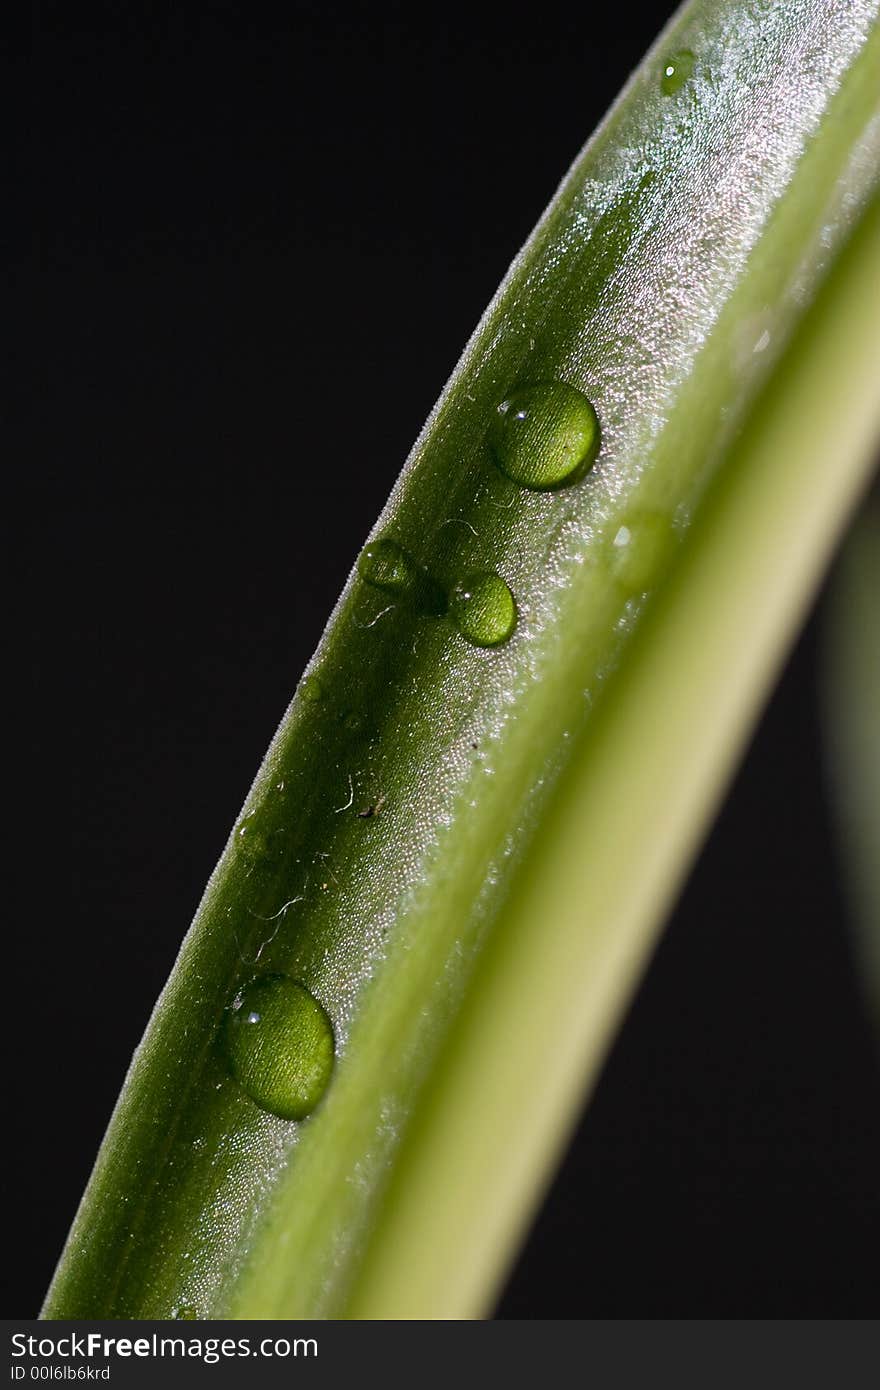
(397, 804)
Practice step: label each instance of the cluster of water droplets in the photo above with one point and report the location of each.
(277, 1038)
(543, 436)
(480, 605)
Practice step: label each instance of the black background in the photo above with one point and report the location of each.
(260, 243)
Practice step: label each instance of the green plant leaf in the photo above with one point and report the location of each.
(522, 712)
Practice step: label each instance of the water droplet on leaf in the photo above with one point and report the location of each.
(386, 565)
(677, 68)
(639, 550)
(254, 843)
(545, 436)
(483, 609)
(280, 1047)
(311, 689)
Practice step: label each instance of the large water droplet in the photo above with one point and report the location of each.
(185, 1312)
(545, 436)
(677, 68)
(483, 609)
(639, 551)
(279, 1042)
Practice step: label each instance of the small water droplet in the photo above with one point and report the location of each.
(483, 609)
(639, 549)
(677, 68)
(186, 1312)
(310, 688)
(545, 436)
(386, 565)
(254, 843)
(280, 1046)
